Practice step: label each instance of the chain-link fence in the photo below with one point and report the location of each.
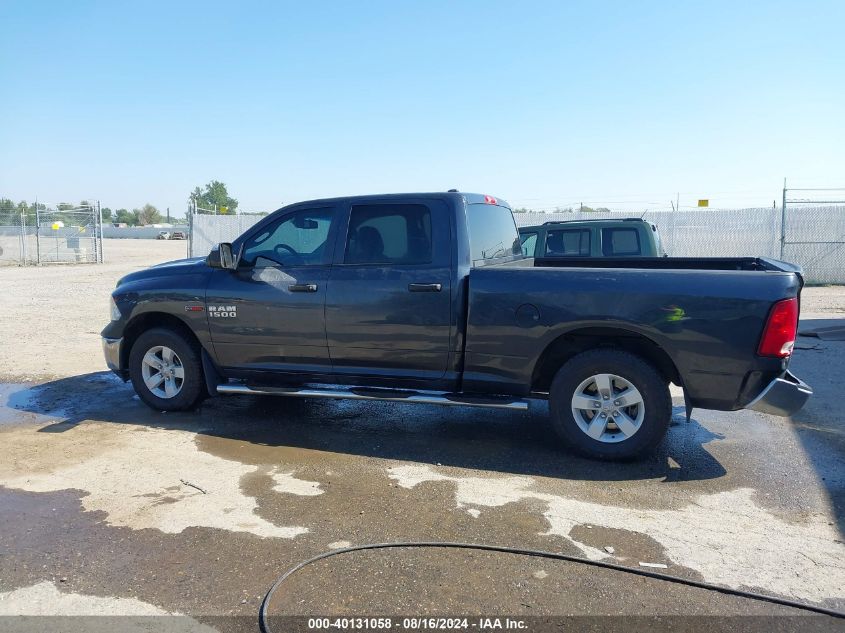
(50, 235)
(207, 231)
(17, 237)
(814, 236)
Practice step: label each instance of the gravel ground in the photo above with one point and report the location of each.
(56, 312)
(823, 302)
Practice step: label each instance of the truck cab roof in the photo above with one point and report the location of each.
(469, 198)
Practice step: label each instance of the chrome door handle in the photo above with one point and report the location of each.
(303, 287)
(424, 287)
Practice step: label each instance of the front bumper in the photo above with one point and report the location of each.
(784, 396)
(111, 350)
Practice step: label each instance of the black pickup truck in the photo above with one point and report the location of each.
(427, 298)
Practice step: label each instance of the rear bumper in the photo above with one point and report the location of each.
(111, 350)
(785, 395)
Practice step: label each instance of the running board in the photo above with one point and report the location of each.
(391, 395)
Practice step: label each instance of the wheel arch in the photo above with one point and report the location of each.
(573, 342)
(149, 320)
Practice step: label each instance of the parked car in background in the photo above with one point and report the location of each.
(178, 235)
(163, 235)
(629, 237)
(427, 298)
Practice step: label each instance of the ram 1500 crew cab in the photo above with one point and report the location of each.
(427, 298)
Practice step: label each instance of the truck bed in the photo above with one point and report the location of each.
(706, 314)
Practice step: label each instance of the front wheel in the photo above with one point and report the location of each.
(166, 371)
(610, 404)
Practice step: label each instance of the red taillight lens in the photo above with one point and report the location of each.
(779, 333)
(490, 200)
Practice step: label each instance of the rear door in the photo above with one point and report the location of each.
(389, 294)
(269, 313)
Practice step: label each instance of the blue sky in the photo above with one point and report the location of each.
(619, 104)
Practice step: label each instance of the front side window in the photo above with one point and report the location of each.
(529, 243)
(297, 239)
(389, 234)
(569, 243)
(620, 242)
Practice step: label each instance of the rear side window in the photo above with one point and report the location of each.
(389, 234)
(571, 243)
(492, 234)
(620, 242)
(529, 243)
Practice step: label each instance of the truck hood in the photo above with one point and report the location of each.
(167, 269)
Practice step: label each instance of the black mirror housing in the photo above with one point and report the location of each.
(305, 223)
(222, 257)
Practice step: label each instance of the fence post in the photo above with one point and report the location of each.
(190, 230)
(23, 237)
(37, 235)
(101, 259)
(783, 221)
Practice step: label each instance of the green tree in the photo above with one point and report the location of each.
(106, 214)
(215, 195)
(122, 216)
(147, 214)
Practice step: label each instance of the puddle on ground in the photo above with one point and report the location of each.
(727, 537)
(16, 404)
(144, 477)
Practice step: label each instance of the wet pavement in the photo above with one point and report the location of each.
(197, 513)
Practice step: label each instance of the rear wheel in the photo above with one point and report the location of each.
(166, 370)
(610, 404)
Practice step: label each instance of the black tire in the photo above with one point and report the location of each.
(192, 388)
(653, 388)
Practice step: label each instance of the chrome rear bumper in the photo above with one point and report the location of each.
(785, 395)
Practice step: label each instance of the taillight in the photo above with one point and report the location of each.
(490, 200)
(781, 328)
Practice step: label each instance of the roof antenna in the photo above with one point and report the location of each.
(452, 191)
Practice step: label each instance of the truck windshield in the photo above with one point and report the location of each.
(493, 236)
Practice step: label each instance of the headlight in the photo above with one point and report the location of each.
(115, 312)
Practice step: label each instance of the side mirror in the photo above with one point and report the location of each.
(222, 257)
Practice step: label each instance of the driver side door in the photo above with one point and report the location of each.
(268, 315)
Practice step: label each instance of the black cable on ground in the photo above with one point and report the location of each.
(265, 626)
